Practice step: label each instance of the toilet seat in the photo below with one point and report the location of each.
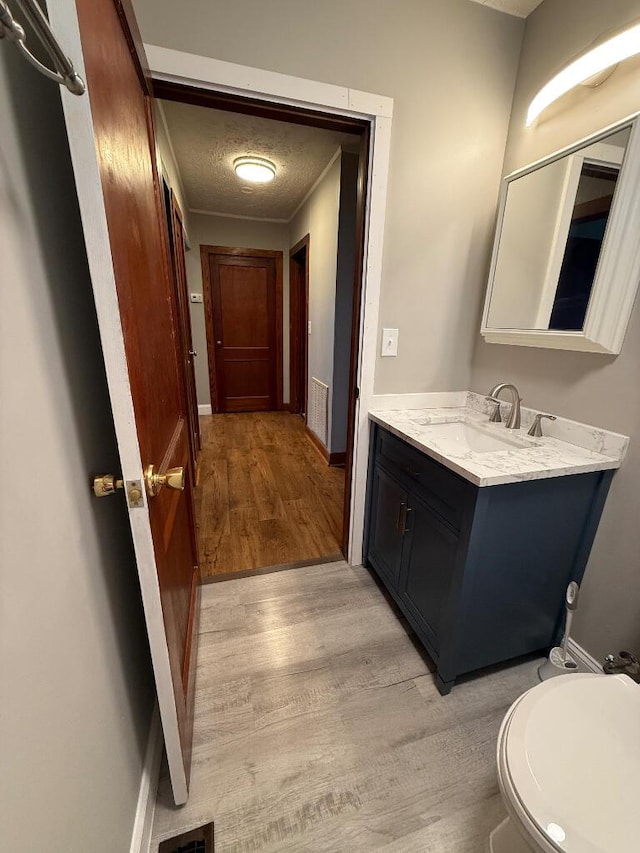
(569, 764)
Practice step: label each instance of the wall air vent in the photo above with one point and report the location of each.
(318, 415)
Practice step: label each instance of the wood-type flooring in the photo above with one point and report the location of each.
(265, 495)
(318, 726)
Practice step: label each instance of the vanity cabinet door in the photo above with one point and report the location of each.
(387, 510)
(428, 568)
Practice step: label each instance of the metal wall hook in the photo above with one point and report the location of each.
(9, 27)
(65, 74)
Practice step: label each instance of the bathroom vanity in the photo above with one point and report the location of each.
(476, 532)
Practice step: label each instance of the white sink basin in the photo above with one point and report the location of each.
(462, 437)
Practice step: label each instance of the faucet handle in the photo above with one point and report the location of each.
(536, 427)
(494, 418)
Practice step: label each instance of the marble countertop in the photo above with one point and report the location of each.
(568, 448)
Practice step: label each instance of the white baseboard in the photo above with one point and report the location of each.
(583, 657)
(143, 823)
(205, 409)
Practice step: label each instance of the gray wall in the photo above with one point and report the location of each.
(74, 666)
(450, 66)
(318, 217)
(246, 234)
(599, 389)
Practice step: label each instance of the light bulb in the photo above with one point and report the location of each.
(257, 170)
(595, 61)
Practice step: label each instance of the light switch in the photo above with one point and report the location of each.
(309, 327)
(196, 297)
(389, 342)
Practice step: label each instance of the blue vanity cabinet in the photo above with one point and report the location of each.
(479, 573)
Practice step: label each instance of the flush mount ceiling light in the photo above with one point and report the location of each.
(616, 49)
(258, 170)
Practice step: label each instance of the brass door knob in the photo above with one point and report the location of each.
(108, 484)
(105, 484)
(173, 478)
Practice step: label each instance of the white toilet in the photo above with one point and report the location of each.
(569, 768)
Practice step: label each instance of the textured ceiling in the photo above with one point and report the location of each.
(519, 8)
(207, 141)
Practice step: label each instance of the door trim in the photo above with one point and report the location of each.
(217, 76)
(206, 252)
(299, 407)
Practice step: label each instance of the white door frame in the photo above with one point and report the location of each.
(206, 73)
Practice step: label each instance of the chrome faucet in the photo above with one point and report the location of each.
(536, 427)
(514, 415)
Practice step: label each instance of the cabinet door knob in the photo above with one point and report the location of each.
(402, 517)
(410, 472)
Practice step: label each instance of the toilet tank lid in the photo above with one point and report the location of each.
(572, 751)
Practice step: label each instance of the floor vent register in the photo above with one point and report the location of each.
(198, 840)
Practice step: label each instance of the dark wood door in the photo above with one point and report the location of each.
(388, 509)
(187, 352)
(244, 331)
(125, 158)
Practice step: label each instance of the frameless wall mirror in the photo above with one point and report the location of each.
(566, 258)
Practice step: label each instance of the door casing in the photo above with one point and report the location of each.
(228, 85)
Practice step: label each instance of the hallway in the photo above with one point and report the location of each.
(265, 495)
(318, 726)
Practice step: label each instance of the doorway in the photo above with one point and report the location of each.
(275, 305)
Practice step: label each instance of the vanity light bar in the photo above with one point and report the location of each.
(610, 52)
